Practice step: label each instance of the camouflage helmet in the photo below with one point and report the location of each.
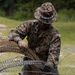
(46, 13)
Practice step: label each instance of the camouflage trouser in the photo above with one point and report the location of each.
(29, 68)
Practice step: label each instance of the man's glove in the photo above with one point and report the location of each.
(48, 67)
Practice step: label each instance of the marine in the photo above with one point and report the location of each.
(43, 38)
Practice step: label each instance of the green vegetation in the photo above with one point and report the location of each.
(67, 63)
(24, 9)
(66, 29)
(66, 15)
(9, 22)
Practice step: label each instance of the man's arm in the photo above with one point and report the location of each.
(19, 32)
(54, 50)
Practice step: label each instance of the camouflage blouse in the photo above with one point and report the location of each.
(45, 43)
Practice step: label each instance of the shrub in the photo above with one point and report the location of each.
(66, 15)
(2, 13)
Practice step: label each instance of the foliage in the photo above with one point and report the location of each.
(2, 13)
(24, 9)
(66, 15)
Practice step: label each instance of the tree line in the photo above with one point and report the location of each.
(20, 9)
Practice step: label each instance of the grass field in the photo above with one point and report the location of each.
(67, 31)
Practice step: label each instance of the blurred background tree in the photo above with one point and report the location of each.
(24, 9)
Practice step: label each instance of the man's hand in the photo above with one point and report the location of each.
(22, 44)
(48, 66)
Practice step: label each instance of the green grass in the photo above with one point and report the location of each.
(9, 22)
(67, 70)
(67, 63)
(67, 31)
(66, 15)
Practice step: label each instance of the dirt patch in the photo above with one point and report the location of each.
(1, 54)
(0, 33)
(3, 27)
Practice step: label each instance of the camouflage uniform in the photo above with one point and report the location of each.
(45, 43)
